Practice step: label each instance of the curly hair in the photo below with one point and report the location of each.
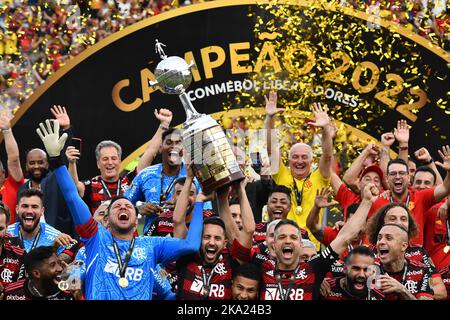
(375, 223)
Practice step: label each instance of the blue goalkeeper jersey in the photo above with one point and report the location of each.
(47, 235)
(102, 269)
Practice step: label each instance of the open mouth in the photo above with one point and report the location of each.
(398, 186)
(123, 216)
(277, 214)
(288, 252)
(28, 220)
(211, 253)
(359, 284)
(383, 253)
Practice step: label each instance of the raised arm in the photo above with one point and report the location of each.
(401, 134)
(165, 118)
(61, 115)
(322, 120)
(271, 110)
(312, 221)
(423, 155)
(353, 172)
(352, 227)
(387, 139)
(54, 144)
(248, 220)
(12, 150)
(443, 189)
(73, 155)
(179, 213)
(232, 230)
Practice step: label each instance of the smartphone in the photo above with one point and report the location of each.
(76, 142)
(256, 161)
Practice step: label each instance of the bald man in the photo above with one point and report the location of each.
(300, 176)
(400, 279)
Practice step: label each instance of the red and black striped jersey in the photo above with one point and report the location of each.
(163, 225)
(307, 276)
(445, 275)
(415, 277)
(191, 284)
(20, 291)
(11, 261)
(95, 193)
(259, 236)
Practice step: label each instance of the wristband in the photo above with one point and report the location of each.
(428, 162)
(403, 148)
(56, 162)
(6, 130)
(163, 127)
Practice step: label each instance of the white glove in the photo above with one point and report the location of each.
(50, 137)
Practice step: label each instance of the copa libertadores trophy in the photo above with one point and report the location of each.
(215, 165)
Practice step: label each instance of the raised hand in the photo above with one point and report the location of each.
(61, 115)
(370, 192)
(387, 139)
(445, 155)
(271, 104)
(322, 196)
(372, 150)
(321, 116)
(164, 116)
(401, 133)
(422, 155)
(72, 154)
(5, 121)
(50, 137)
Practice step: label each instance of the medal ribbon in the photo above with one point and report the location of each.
(299, 194)
(163, 196)
(206, 281)
(105, 188)
(406, 203)
(36, 239)
(123, 265)
(285, 295)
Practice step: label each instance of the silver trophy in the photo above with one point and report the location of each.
(215, 165)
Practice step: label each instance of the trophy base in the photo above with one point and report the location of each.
(211, 184)
(215, 165)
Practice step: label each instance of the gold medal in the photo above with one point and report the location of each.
(63, 286)
(298, 210)
(446, 249)
(123, 282)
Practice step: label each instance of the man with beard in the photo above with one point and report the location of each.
(40, 177)
(400, 279)
(155, 184)
(353, 285)
(43, 268)
(31, 232)
(119, 263)
(11, 255)
(207, 274)
(418, 201)
(278, 206)
(286, 278)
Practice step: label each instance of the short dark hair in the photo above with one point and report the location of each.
(35, 258)
(281, 189)
(287, 222)
(351, 209)
(215, 220)
(375, 223)
(426, 169)
(5, 210)
(182, 181)
(169, 132)
(28, 193)
(397, 160)
(115, 198)
(362, 250)
(249, 271)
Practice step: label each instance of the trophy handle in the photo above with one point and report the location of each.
(154, 84)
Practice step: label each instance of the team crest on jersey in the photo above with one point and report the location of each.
(220, 269)
(301, 274)
(6, 275)
(411, 286)
(139, 254)
(411, 205)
